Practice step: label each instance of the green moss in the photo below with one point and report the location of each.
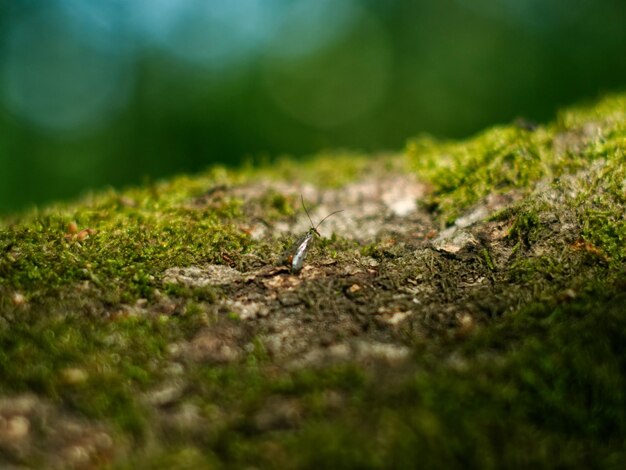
(277, 204)
(124, 253)
(509, 158)
(198, 294)
(114, 360)
(329, 169)
(446, 417)
(183, 457)
(455, 417)
(536, 380)
(462, 173)
(526, 227)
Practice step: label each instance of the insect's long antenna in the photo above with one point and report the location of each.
(307, 212)
(332, 213)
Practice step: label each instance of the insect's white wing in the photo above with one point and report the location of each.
(300, 253)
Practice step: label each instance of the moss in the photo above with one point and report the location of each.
(462, 173)
(330, 169)
(515, 345)
(505, 158)
(184, 458)
(276, 205)
(550, 383)
(443, 416)
(116, 360)
(198, 294)
(128, 247)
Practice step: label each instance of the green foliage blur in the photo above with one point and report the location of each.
(97, 93)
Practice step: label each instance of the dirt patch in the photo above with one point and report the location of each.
(393, 277)
(200, 276)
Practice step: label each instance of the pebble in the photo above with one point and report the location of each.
(466, 325)
(14, 428)
(454, 241)
(18, 299)
(74, 375)
(77, 455)
(167, 394)
(393, 318)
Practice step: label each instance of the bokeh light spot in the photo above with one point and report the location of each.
(55, 80)
(207, 33)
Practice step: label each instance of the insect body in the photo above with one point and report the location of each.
(300, 250)
(295, 257)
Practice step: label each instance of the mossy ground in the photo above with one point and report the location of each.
(482, 327)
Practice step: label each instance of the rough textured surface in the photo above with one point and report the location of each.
(466, 309)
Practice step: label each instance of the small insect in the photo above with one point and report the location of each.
(295, 257)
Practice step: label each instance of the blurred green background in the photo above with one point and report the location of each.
(111, 92)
